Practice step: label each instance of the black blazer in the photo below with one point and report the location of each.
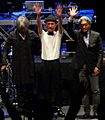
(92, 55)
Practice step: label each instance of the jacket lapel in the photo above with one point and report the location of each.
(81, 39)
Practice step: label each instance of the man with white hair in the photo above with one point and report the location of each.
(86, 64)
(23, 41)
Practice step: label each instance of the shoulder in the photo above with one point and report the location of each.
(95, 33)
(44, 33)
(57, 33)
(12, 35)
(32, 33)
(77, 31)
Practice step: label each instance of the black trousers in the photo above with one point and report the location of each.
(101, 108)
(1, 114)
(49, 88)
(26, 100)
(50, 84)
(76, 92)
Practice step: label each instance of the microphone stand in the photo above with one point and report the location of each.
(11, 87)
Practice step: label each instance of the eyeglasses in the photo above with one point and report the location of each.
(86, 24)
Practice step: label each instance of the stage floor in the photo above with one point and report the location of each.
(65, 76)
(65, 108)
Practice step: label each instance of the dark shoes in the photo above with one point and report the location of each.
(94, 115)
(85, 116)
(58, 112)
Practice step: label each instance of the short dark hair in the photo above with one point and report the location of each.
(51, 18)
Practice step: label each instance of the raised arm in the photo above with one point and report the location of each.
(69, 27)
(73, 12)
(59, 14)
(37, 8)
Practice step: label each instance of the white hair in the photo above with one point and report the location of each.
(85, 18)
(22, 21)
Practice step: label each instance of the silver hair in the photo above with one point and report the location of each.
(22, 21)
(85, 18)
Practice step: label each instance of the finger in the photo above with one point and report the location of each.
(70, 8)
(37, 4)
(33, 6)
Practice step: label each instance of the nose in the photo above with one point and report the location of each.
(50, 25)
(83, 26)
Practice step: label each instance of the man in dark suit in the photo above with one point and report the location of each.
(86, 63)
(23, 41)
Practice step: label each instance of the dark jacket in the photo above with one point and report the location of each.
(92, 55)
(22, 56)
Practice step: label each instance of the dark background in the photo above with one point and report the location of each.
(97, 5)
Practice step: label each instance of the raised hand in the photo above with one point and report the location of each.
(59, 11)
(37, 8)
(73, 11)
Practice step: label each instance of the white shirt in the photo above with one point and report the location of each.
(86, 39)
(50, 45)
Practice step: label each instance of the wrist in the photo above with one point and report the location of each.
(70, 18)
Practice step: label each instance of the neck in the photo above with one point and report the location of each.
(50, 33)
(22, 36)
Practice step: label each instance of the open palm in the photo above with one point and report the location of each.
(37, 8)
(73, 11)
(59, 11)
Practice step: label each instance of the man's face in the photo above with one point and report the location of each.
(23, 29)
(51, 26)
(84, 25)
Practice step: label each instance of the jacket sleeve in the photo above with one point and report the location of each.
(100, 54)
(36, 43)
(6, 48)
